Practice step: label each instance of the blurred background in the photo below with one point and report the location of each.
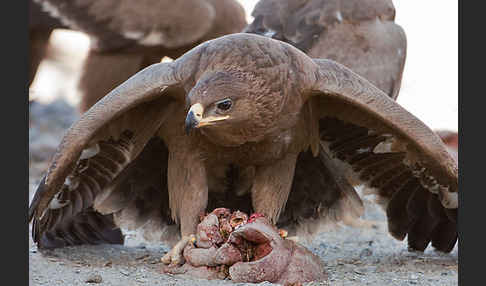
(429, 86)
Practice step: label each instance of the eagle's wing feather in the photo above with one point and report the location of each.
(96, 150)
(376, 142)
(138, 197)
(118, 24)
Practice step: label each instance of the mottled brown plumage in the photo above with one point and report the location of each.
(360, 34)
(246, 110)
(127, 36)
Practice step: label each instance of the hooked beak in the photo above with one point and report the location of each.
(194, 118)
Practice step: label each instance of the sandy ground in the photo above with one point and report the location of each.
(353, 256)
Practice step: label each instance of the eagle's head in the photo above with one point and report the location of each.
(232, 104)
(231, 110)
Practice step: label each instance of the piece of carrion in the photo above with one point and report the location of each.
(166, 145)
(250, 251)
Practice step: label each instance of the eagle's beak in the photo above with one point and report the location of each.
(194, 118)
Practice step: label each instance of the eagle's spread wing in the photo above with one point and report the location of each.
(378, 143)
(362, 35)
(99, 156)
(119, 24)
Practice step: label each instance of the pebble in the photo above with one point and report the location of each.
(143, 257)
(365, 252)
(95, 278)
(125, 272)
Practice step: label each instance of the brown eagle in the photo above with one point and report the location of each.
(250, 123)
(127, 36)
(360, 34)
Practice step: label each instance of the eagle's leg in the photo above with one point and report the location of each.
(272, 185)
(188, 196)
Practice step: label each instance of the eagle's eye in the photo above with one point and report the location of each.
(224, 104)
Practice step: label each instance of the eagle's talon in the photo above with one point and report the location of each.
(174, 256)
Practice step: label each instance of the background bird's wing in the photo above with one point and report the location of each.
(41, 24)
(99, 156)
(376, 142)
(115, 24)
(362, 35)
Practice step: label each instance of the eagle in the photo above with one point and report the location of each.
(360, 34)
(248, 123)
(127, 36)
